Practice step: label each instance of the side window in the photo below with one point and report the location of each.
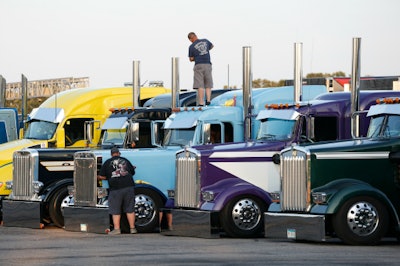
(228, 132)
(74, 130)
(215, 134)
(144, 136)
(326, 128)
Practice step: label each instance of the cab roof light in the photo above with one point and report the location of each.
(388, 101)
(186, 109)
(277, 106)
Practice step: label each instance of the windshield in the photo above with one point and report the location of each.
(391, 126)
(114, 137)
(40, 130)
(276, 129)
(179, 137)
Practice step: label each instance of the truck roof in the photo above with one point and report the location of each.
(86, 100)
(262, 96)
(188, 98)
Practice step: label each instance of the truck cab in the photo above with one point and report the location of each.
(345, 189)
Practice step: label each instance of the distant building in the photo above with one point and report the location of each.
(45, 87)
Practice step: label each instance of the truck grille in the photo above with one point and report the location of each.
(85, 179)
(25, 172)
(187, 184)
(295, 192)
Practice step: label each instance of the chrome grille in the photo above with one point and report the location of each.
(295, 194)
(25, 171)
(85, 179)
(187, 185)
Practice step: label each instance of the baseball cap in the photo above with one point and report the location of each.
(114, 150)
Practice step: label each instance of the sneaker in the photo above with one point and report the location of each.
(133, 231)
(115, 232)
(208, 103)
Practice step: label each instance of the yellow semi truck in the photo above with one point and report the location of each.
(66, 119)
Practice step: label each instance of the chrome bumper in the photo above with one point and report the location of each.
(194, 223)
(86, 219)
(18, 213)
(294, 226)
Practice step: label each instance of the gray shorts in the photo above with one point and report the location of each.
(202, 76)
(121, 200)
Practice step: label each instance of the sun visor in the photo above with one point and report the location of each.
(54, 115)
(278, 114)
(384, 109)
(115, 123)
(181, 120)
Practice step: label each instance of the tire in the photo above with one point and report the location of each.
(55, 202)
(147, 208)
(243, 217)
(353, 226)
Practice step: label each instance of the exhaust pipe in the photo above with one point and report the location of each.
(298, 72)
(2, 91)
(355, 88)
(247, 91)
(24, 86)
(175, 83)
(136, 84)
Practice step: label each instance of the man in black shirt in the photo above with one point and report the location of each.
(118, 171)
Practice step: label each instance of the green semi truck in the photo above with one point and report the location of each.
(348, 189)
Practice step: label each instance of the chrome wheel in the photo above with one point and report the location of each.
(362, 218)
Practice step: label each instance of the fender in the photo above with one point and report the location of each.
(232, 188)
(341, 190)
(156, 190)
(52, 188)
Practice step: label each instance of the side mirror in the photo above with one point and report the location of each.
(60, 138)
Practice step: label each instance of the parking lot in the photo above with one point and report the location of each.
(55, 246)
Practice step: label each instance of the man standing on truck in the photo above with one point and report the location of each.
(199, 52)
(118, 171)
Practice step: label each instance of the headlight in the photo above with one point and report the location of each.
(208, 195)
(37, 185)
(319, 197)
(171, 193)
(275, 196)
(102, 192)
(71, 191)
(9, 185)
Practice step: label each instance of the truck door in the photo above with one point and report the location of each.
(75, 131)
(320, 128)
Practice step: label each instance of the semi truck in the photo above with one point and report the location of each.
(9, 124)
(224, 189)
(52, 168)
(155, 167)
(347, 189)
(63, 119)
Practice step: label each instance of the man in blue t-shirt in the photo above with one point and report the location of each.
(199, 52)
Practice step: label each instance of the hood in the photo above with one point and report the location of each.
(7, 149)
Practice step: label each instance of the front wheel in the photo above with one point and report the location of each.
(361, 221)
(243, 217)
(147, 208)
(55, 212)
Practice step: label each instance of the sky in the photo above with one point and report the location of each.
(100, 39)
